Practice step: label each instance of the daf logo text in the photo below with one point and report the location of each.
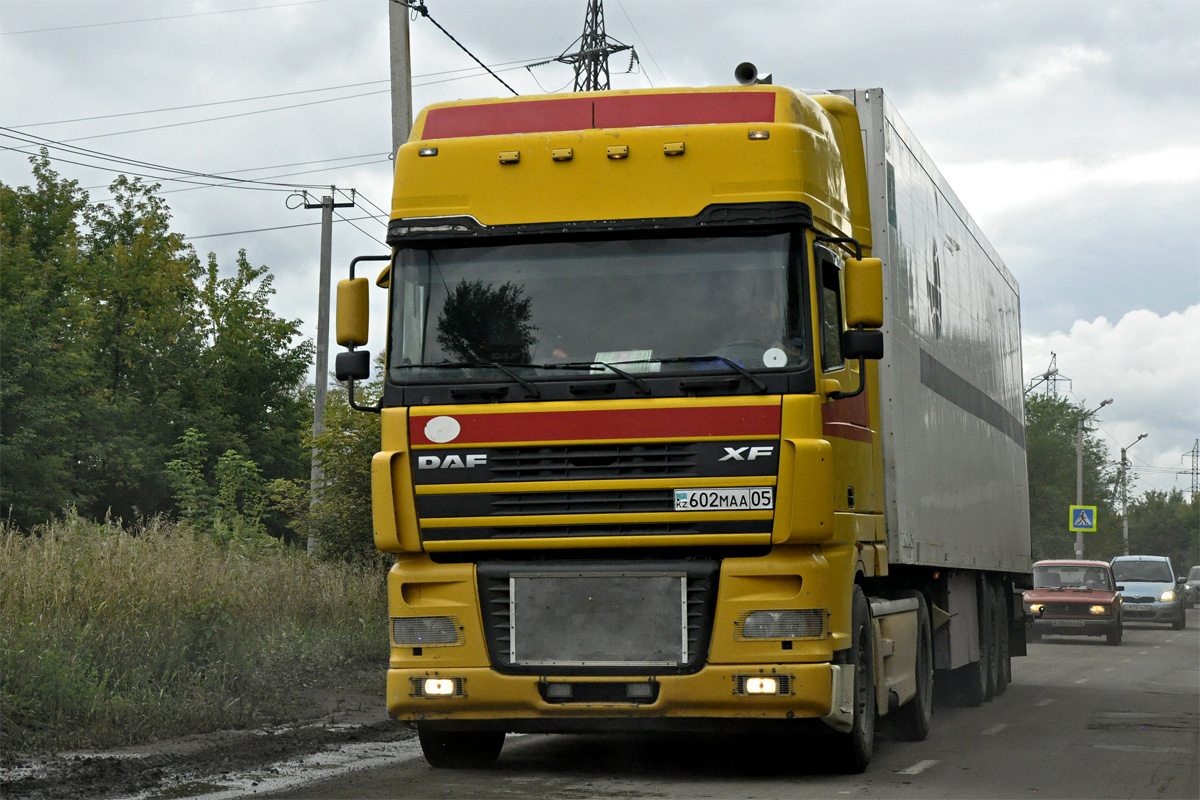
(452, 461)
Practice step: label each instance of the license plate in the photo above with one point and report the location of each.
(1137, 607)
(1069, 623)
(748, 499)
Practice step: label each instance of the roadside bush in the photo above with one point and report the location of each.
(113, 634)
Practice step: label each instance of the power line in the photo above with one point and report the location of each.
(419, 7)
(521, 63)
(378, 156)
(160, 19)
(41, 141)
(264, 230)
(645, 49)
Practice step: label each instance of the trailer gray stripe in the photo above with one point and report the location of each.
(945, 382)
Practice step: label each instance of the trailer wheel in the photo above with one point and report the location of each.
(915, 717)
(852, 751)
(459, 749)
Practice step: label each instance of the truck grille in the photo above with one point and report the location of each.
(594, 462)
(496, 602)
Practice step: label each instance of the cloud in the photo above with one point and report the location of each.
(1147, 364)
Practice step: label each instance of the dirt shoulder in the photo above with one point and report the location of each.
(349, 709)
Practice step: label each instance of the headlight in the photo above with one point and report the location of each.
(1167, 597)
(804, 623)
(1035, 608)
(425, 631)
(1099, 609)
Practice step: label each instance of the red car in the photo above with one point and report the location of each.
(1074, 598)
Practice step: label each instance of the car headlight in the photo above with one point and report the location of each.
(1099, 609)
(1167, 597)
(1035, 608)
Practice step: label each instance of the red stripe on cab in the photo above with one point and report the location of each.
(634, 423)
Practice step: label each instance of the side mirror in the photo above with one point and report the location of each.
(353, 312)
(864, 292)
(352, 365)
(1120, 588)
(862, 344)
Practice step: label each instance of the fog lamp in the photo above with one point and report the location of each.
(762, 686)
(438, 687)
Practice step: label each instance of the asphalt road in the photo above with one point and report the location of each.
(1080, 720)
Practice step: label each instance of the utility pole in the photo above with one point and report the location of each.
(321, 379)
(1195, 470)
(595, 46)
(1079, 469)
(401, 74)
(1125, 492)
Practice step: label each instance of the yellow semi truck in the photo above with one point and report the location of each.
(702, 408)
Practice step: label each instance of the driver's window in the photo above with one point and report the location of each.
(831, 315)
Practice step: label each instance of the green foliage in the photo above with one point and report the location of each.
(112, 635)
(1050, 448)
(341, 520)
(1166, 524)
(116, 341)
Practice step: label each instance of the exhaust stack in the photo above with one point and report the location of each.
(747, 74)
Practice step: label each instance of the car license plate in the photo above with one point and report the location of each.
(1069, 623)
(749, 499)
(1137, 607)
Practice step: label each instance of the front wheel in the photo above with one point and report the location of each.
(459, 749)
(852, 751)
(1114, 633)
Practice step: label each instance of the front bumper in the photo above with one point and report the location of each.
(1153, 612)
(1072, 626)
(516, 702)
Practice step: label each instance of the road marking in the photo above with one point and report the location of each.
(1082, 680)
(1109, 669)
(918, 768)
(1141, 748)
(1143, 652)
(1045, 702)
(1126, 660)
(994, 729)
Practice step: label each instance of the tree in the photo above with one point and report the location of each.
(46, 367)
(116, 341)
(1050, 429)
(1166, 524)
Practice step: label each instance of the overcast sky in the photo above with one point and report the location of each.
(1070, 130)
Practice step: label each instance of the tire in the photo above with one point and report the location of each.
(1115, 633)
(459, 749)
(914, 718)
(1000, 625)
(851, 752)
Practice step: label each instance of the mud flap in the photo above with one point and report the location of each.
(841, 700)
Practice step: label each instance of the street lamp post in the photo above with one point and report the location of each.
(1125, 492)
(1079, 468)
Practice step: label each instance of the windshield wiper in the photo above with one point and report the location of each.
(641, 386)
(733, 365)
(505, 368)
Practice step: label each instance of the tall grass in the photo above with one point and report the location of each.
(114, 634)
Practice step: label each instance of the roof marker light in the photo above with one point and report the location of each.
(426, 152)
(618, 151)
(760, 134)
(673, 149)
(510, 156)
(562, 154)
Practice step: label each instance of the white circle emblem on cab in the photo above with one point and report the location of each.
(775, 358)
(442, 429)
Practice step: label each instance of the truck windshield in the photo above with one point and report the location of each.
(566, 308)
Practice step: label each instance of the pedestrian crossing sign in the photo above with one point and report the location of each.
(1083, 519)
